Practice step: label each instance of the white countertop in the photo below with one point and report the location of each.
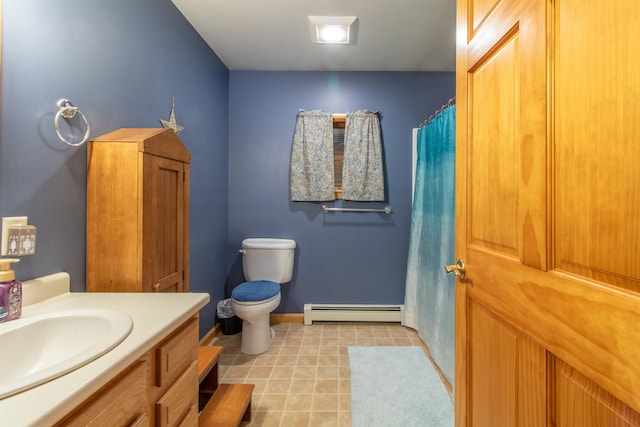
(154, 315)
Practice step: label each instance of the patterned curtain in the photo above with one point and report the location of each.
(312, 177)
(362, 173)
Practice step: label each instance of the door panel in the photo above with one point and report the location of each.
(598, 130)
(493, 361)
(502, 357)
(585, 404)
(506, 133)
(493, 173)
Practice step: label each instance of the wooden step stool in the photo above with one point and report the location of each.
(221, 404)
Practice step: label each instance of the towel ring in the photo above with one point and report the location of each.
(67, 111)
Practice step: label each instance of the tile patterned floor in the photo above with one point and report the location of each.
(303, 379)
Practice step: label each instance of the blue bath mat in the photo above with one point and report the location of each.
(396, 386)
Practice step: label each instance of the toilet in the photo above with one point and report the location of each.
(266, 264)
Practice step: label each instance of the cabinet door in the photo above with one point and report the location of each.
(163, 226)
(123, 402)
(548, 213)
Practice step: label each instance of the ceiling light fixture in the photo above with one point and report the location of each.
(332, 29)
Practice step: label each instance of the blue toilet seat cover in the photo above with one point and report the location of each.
(256, 290)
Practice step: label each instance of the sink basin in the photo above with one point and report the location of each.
(40, 348)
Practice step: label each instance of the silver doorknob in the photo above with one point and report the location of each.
(458, 269)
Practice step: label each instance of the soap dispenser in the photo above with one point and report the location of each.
(10, 291)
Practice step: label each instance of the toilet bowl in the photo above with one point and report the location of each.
(266, 264)
(257, 335)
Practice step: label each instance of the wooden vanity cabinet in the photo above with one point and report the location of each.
(137, 212)
(159, 389)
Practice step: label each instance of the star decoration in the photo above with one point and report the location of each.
(172, 120)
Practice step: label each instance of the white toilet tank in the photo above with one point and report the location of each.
(268, 259)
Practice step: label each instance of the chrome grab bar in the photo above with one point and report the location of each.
(326, 209)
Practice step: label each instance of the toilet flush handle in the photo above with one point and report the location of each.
(242, 251)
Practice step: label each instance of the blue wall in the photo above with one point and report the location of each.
(341, 257)
(120, 62)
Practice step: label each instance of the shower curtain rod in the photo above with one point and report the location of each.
(448, 104)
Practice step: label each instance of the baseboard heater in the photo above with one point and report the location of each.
(353, 313)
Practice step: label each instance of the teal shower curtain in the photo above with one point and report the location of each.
(429, 297)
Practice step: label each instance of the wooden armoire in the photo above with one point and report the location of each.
(548, 213)
(137, 212)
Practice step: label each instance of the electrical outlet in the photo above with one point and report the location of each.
(7, 223)
(22, 240)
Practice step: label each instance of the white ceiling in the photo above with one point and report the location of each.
(393, 35)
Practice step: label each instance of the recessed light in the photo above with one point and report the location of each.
(332, 34)
(331, 29)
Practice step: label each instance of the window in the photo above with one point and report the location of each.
(330, 161)
(339, 122)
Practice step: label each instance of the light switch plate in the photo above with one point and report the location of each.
(7, 223)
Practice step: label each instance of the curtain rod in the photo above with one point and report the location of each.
(339, 114)
(448, 104)
(362, 111)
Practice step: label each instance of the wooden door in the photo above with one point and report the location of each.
(163, 230)
(548, 222)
